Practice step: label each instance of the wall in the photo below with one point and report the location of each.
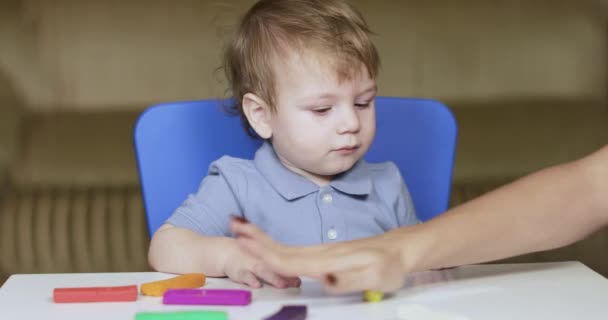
(69, 54)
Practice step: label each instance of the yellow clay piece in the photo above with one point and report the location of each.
(373, 296)
(185, 281)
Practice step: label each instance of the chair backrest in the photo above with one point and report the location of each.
(176, 142)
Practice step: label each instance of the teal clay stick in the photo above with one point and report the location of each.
(182, 315)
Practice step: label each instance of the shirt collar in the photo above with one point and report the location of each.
(356, 181)
(287, 183)
(291, 185)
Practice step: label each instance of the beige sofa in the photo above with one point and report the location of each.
(72, 201)
(526, 80)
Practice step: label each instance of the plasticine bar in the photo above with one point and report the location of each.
(220, 297)
(182, 315)
(289, 313)
(95, 294)
(373, 296)
(158, 288)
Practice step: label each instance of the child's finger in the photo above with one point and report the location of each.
(244, 229)
(294, 282)
(259, 251)
(248, 230)
(269, 276)
(247, 277)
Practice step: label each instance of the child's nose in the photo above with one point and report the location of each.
(349, 121)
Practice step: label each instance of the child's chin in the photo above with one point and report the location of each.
(338, 169)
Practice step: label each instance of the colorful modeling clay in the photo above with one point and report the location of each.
(373, 296)
(289, 313)
(224, 297)
(158, 288)
(95, 294)
(182, 315)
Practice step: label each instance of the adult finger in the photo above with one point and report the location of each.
(360, 279)
(289, 265)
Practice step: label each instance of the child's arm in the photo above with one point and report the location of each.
(179, 250)
(404, 207)
(196, 238)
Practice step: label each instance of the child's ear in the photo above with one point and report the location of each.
(258, 114)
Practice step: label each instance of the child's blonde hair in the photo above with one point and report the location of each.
(271, 27)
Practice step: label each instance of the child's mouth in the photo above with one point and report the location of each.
(347, 150)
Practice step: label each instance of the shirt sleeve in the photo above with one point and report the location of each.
(406, 213)
(209, 210)
(404, 205)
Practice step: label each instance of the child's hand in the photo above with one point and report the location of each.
(243, 268)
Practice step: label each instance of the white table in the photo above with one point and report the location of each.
(565, 290)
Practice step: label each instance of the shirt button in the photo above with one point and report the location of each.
(327, 198)
(332, 234)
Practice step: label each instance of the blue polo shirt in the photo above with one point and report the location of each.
(367, 200)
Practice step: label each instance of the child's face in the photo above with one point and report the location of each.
(322, 126)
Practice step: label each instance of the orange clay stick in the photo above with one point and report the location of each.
(158, 288)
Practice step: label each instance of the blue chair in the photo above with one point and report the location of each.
(175, 143)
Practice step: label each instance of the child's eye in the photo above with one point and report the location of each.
(362, 105)
(321, 111)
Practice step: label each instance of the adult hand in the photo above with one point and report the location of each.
(366, 264)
